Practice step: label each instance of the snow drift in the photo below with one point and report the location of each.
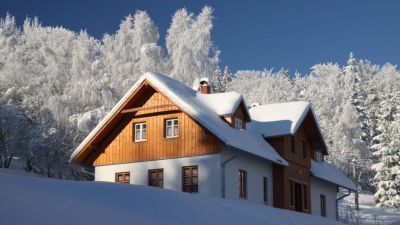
(33, 200)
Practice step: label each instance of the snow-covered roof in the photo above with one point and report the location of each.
(222, 103)
(325, 171)
(197, 105)
(279, 119)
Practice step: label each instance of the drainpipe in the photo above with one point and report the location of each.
(337, 202)
(223, 165)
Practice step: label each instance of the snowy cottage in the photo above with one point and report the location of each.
(164, 134)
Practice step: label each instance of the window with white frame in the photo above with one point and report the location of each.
(171, 128)
(140, 132)
(238, 123)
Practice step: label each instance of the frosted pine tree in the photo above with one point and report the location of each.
(221, 81)
(359, 97)
(387, 149)
(227, 77)
(217, 81)
(362, 173)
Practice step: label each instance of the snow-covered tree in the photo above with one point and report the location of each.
(151, 59)
(56, 84)
(357, 79)
(387, 149)
(191, 51)
(221, 80)
(9, 38)
(120, 53)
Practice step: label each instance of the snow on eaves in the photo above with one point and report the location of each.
(327, 172)
(279, 119)
(193, 103)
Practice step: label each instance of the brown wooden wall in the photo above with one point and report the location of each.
(279, 189)
(298, 170)
(119, 145)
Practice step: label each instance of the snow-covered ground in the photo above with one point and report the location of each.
(32, 200)
(368, 213)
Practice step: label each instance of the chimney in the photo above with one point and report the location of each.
(204, 87)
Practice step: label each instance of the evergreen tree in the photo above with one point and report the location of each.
(387, 149)
(221, 81)
(217, 81)
(361, 164)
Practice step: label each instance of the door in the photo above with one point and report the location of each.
(298, 201)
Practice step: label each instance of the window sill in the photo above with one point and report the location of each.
(139, 141)
(171, 137)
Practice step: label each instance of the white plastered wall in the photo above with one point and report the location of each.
(256, 169)
(208, 166)
(319, 187)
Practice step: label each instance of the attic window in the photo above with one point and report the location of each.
(140, 132)
(171, 128)
(238, 123)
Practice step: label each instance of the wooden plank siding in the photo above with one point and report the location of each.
(279, 188)
(298, 170)
(119, 145)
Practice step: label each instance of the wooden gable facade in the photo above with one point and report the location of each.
(115, 142)
(291, 185)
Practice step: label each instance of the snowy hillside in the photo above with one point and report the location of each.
(32, 200)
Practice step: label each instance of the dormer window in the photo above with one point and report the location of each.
(238, 123)
(318, 157)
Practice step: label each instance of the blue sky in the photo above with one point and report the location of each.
(251, 34)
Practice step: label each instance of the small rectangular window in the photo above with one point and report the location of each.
(291, 193)
(302, 149)
(293, 144)
(305, 197)
(265, 189)
(122, 177)
(323, 205)
(238, 123)
(171, 128)
(156, 178)
(242, 184)
(140, 132)
(190, 180)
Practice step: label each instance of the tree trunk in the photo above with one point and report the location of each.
(357, 205)
(8, 162)
(357, 176)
